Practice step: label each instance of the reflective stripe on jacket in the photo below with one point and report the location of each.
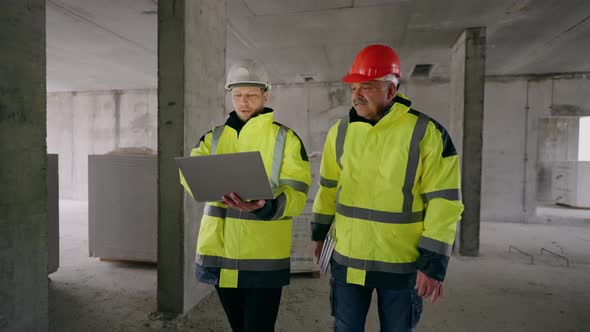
(393, 190)
(239, 249)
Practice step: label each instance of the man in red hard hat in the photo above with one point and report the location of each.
(389, 198)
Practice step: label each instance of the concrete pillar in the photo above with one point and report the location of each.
(466, 108)
(23, 167)
(191, 77)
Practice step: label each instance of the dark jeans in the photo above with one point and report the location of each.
(250, 309)
(399, 309)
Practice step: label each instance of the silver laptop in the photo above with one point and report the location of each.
(210, 177)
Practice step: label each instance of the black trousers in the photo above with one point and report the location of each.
(251, 309)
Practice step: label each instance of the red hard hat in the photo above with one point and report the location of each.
(373, 62)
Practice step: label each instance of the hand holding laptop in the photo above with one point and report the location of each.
(234, 201)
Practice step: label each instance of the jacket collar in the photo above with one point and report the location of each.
(234, 121)
(400, 106)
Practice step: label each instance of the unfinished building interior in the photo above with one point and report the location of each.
(97, 98)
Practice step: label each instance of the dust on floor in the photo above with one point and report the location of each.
(499, 291)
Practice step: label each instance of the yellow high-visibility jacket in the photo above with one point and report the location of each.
(250, 250)
(393, 191)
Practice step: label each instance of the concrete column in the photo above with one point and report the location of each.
(466, 108)
(23, 167)
(191, 76)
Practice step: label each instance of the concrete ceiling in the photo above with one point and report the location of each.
(111, 44)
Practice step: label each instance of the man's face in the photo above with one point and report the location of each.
(248, 101)
(370, 98)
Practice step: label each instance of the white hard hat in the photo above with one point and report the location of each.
(247, 72)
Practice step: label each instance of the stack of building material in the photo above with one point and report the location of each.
(122, 210)
(122, 205)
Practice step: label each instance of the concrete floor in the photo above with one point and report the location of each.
(86, 294)
(498, 291)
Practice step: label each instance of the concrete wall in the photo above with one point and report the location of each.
(528, 123)
(96, 122)
(514, 112)
(516, 130)
(504, 150)
(558, 140)
(312, 108)
(430, 98)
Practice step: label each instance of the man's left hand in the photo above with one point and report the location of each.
(429, 287)
(234, 201)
